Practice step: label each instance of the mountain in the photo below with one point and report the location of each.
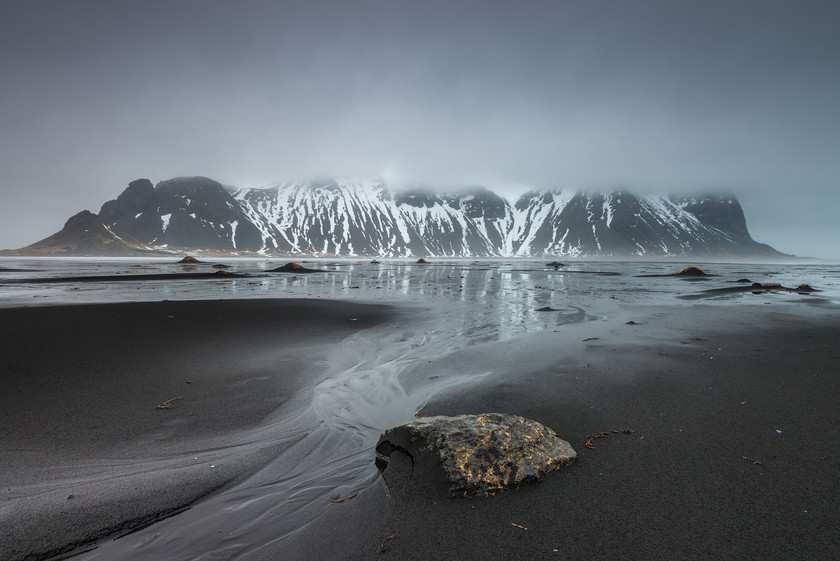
(193, 212)
(365, 218)
(87, 234)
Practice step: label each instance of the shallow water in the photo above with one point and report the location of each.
(378, 378)
(509, 291)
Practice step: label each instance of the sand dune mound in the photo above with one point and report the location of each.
(692, 271)
(293, 267)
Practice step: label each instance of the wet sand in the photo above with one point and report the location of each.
(86, 452)
(734, 454)
(126, 278)
(734, 409)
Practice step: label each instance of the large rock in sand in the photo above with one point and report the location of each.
(471, 454)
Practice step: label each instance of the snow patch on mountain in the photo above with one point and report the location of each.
(365, 218)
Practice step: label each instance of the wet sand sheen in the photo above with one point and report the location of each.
(81, 390)
(678, 376)
(733, 455)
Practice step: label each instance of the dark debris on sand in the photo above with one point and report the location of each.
(754, 288)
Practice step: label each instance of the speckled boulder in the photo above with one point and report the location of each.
(471, 454)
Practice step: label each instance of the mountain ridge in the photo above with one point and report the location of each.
(367, 219)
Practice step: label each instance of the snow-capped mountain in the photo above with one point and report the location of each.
(359, 218)
(365, 218)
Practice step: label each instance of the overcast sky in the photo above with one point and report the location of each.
(675, 95)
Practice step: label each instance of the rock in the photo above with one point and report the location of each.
(470, 454)
(421, 260)
(220, 266)
(293, 268)
(692, 271)
(189, 259)
(223, 273)
(547, 309)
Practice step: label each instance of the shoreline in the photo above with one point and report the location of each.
(680, 487)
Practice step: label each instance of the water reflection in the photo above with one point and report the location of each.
(454, 304)
(494, 298)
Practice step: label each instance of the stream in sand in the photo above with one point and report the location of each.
(380, 377)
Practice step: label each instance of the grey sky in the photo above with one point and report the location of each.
(647, 95)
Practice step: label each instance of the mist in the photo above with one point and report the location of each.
(600, 95)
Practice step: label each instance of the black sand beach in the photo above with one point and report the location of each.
(81, 386)
(734, 455)
(734, 409)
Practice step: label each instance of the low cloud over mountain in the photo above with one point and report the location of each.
(366, 218)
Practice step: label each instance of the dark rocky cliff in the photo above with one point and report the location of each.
(329, 217)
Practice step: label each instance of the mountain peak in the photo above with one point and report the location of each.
(349, 217)
(85, 233)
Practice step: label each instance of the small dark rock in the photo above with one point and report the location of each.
(294, 268)
(692, 271)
